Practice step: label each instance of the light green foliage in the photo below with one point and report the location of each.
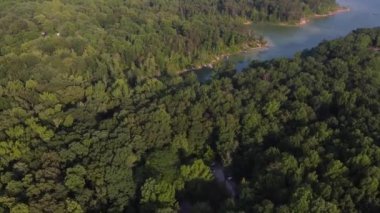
(319, 205)
(14, 187)
(20, 208)
(68, 122)
(74, 179)
(154, 191)
(7, 202)
(180, 143)
(11, 150)
(120, 89)
(14, 87)
(48, 113)
(73, 207)
(71, 94)
(43, 132)
(196, 171)
(271, 108)
(301, 200)
(31, 84)
(335, 169)
(48, 99)
(15, 132)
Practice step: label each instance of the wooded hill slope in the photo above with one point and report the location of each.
(299, 135)
(133, 40)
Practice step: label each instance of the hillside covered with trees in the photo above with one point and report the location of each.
(133, 39)
(95, 118)
(298, 135)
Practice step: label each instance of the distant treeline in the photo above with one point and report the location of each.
(258, 10)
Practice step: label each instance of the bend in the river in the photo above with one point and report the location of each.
(288, 40)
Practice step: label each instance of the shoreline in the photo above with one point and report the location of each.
(248, 22)
(219, 58)
(264, 44)
(333, 13)
(307, 20)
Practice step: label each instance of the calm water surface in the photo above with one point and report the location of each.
(286, 41)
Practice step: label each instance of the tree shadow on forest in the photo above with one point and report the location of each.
(208, 193)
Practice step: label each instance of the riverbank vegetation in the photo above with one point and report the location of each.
(134, 39)
(76, 136)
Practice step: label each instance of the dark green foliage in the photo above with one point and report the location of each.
(299, 135)
(86, 127)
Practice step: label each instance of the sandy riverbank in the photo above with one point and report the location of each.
(248, 22)
(337, 11)
(332, 13)
(307, 20)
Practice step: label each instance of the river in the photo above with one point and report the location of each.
(285, 41)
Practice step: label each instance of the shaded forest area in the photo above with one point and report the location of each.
(299, 135)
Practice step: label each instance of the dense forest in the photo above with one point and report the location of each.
(298, 135)
(94, 117)
(133, 39)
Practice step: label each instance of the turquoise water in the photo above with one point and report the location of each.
(286, 41)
